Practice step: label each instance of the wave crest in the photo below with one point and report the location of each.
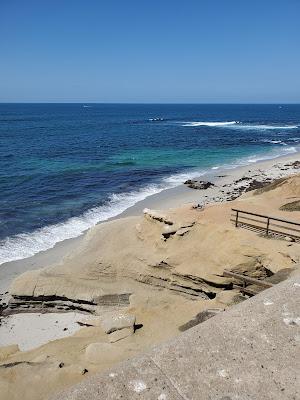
(239, 125)
(265, 127)
(199, 123)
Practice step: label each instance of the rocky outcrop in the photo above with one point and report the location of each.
(63, 304)
(179, 230)
(157, 216)
(191, 286)
(200, 185)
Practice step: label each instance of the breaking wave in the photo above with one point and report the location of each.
(264, 127)
(273, 141)
(199, 123)
(269, 156)
(239, 125)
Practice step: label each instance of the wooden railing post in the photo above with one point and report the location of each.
(268, 223)
(236, 218)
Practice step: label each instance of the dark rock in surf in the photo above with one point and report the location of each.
(194, 184)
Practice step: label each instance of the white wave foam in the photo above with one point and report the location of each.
(26, 245)
(274, 141)
(264, 127)
(240, 125)
(270, 156)
(177, 179)
(199, 123)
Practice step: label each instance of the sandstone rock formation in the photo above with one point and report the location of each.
(184, 252)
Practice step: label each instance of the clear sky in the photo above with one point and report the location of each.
(150, 51)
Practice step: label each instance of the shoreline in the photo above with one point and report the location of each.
(166, 199)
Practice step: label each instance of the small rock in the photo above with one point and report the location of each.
(182, 231)
(115, 321)
(168, 231)
(121, 334)
(226, 297)
(60, 365)
(157, 216)
(194, 184)
(197, 207)
(289, 239)
(187, 224)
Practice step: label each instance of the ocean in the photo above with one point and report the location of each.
(66, 167)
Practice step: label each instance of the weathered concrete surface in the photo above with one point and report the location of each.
(252, 351)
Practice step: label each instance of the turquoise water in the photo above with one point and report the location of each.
(66, 167)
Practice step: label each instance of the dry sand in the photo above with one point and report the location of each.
(31, 330)
(162, 274)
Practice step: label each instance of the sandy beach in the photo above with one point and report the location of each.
(139, 279)
(169, 198)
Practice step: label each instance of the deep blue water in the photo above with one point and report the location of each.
(65, 167)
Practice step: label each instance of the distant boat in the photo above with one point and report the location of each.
(86, 106)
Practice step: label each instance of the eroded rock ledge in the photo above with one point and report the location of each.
(63, 304)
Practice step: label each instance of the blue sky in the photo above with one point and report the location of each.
(150, 51)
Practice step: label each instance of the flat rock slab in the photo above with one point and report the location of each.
(250, 352)
(182, 231)
(119, 335)
(115, 321)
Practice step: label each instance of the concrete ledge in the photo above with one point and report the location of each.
(251, 351)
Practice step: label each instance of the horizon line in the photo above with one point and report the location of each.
(149, 103)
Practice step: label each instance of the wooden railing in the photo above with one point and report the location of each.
(270, 226)
(256, 285)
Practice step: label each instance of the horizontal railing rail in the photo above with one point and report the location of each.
(267, 224)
